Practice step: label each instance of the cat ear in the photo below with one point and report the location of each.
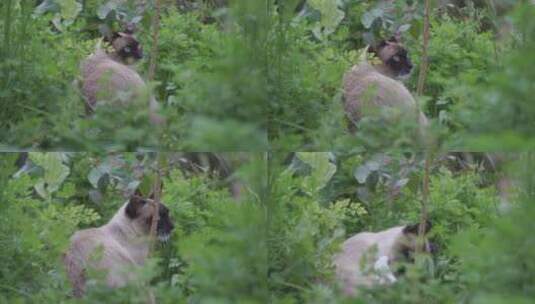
(396, 38)
(134, 204)
(376, 47)
(414, 228)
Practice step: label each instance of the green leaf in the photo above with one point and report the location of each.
(369, 17)
(41, 189)
(105, 9)
(322, 168)
(362, 173)
(69, 9)
(98, 172)
(404, 28)
(65, 11)
(55, 172)
(147, 183)
(331, 16)
(47, 6)
(68, 190)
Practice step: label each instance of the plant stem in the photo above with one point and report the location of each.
(424, 62)
(155, 38)
(420, 90)
(7, 27)
(424, 214)
(156, 190)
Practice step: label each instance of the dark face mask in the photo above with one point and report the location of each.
(400, 63)
(133, 50)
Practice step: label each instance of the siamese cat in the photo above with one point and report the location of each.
(105, 75)
(368, 86)
(370, 258)
(118, 246)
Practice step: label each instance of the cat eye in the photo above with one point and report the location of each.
(396, 58)
(127, 49)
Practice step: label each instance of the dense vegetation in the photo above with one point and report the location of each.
(474, 52)
(262, 80)
(273, 243)
(217, 250)
(202, 69)
(257, 74)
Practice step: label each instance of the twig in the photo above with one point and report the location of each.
(156, 190)
(424, 213)
(424, 62)
(155, 38)
(156, 202)
(428, 145)
(7, 28)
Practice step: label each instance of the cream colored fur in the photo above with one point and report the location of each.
(368, 85)
(122, 242)
(348, 262)
(104, 77)
(372, 85)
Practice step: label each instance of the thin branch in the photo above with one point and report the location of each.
(7, 27)
(156, 190)
(424, 213)
(424, 62)
(428, 146)
(155, 39)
